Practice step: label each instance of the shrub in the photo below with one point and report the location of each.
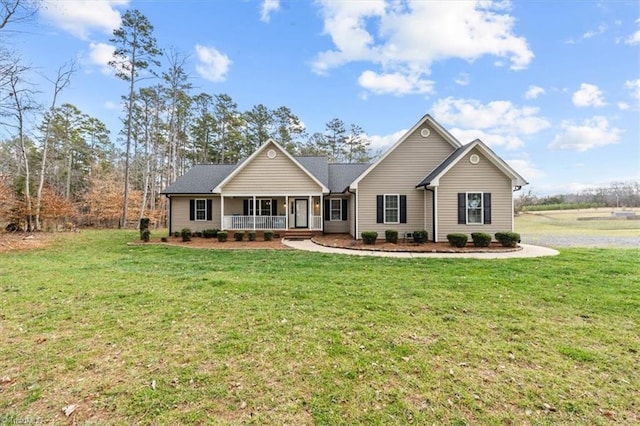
(268, 235)
(391, 236)
(369, 237)
(222, 236)
(508, 239)
(197, 234)
(144, 226)
(420, 237)
(210, 233)
(481, 239)
(145, 235)
(186, 234)
(164, 239)
(176, 234)
(238, 236)
(252, 235)
(457, 240)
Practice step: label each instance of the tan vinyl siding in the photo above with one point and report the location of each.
(180, 214)
(399, 173)
(467, 177)
(264, 175)
(337, 226)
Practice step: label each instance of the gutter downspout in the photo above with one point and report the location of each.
(433, 212)
(170, 211)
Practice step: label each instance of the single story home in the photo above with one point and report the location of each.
(426, 180)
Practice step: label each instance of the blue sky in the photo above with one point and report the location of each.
(553, 87)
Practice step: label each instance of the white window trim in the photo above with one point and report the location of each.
(331, 209)
(384, 208)
(466, 211)
(258, 202)
(196, 210)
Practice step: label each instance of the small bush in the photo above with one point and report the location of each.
(268, 235)
(391, 236)
(210, 233)
(144, 226)
(252, 235)
(481, 239)
(145, 235)
(457, 240)
(420, 237)
(238, 236)
(508, 239)
(186, 234)
(197, 234)
(369, 237)
(176, 234)
(222, 236)
(164, 239)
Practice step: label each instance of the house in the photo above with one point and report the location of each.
(426, 180)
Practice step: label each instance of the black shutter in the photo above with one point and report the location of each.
(462, 208)
(274, 207)
(403, 209)
(379, 208)
(192, 209)
(486, 203)
(345, 209)
(327, 209)
(209, 209)
(245, 207)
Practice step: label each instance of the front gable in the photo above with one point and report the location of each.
(271, 170)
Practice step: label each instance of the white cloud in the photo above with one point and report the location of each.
(268, 7)
(111, 105)
(498, 123)
(382, 143)
(533, 92)
(623, 106)
(462, 79)
(395, 83)
(586, 135)
(213, 65)
(407, 37)
(81, 17)
(634, 38)
(634, 87)
(588, 95)
(525, 168)
(100, 54)
(600, 30)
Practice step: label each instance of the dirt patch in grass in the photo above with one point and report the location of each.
(19, 241)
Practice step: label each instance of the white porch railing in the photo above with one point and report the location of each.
(316, 222)
(261, 222)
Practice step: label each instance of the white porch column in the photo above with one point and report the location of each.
(254, 212)
(310, 212)
(286, 212)
(221, 212)
(435, 216)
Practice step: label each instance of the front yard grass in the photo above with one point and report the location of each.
(167, 335)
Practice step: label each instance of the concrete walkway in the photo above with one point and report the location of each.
(527, 251)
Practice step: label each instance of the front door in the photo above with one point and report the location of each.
(302, 213)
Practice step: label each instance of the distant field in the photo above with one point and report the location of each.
(565, 222)
(157, 335)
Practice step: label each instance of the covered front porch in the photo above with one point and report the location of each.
(264, 212)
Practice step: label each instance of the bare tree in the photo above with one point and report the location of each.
(13, 11)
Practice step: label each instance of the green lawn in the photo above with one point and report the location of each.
(565, 222)
(168, 335)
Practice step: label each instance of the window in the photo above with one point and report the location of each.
(201, 209)
(336, 209)
(474, 208)
(263, 207)
(391, 208)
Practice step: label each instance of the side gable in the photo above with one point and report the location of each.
(433, 178)
(426, 120)
(200, 179)
(270, 168)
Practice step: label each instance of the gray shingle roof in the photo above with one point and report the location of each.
(342, 175)
(450, 159)
(317, 166)
(200, 179)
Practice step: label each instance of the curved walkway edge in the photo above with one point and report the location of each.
(527, 251)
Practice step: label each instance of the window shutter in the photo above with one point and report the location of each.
(245, 207)
(403, 209)
(192, 209)
(462, 208)
(486, 203)
(274, 207)
(209, 209)
(345, 209)
(327, 209)
(379, 209)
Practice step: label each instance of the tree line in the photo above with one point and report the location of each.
(61, 167)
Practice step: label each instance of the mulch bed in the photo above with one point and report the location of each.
(22, 241)
(213, 244)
